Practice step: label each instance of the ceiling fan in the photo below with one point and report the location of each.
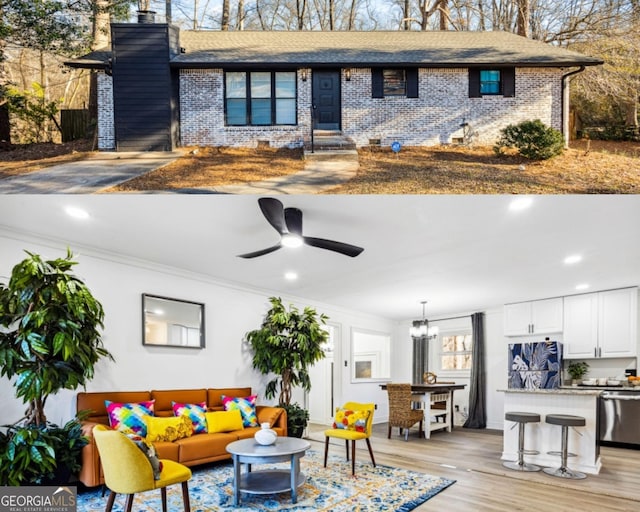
(288, 223)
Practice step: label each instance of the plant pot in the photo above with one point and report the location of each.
(295, 430)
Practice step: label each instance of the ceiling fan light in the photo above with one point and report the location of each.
(289, 240)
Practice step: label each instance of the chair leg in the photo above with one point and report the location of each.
(346, 444)
(420, 430)
(112, 497)
(353, 458)
(370, 452)
(389, 433)
(163, 493)
(326, 450)
(129, 502)
(185, 496)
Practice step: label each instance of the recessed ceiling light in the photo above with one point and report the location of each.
(76, 213)
(290, 276)
(289, 240)
(574, 258)
(521, 203)
(582, 286)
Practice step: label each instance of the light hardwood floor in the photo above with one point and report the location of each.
(472, 458)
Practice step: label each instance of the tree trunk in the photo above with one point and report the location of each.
(523, 18)
(224, 22)
(240, 22)
(332, 14)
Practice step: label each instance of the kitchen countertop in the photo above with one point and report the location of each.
(560, 391)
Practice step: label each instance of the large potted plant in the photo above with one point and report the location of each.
(287, 344)
(49, 340)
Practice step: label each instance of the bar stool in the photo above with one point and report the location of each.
(566, 421)
(521, 419)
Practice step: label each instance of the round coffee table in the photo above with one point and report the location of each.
(267, 481)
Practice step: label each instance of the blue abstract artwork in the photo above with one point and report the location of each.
(535, 365)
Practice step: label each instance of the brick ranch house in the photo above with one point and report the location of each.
(159, 87)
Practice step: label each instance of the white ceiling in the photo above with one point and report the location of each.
(460, 253)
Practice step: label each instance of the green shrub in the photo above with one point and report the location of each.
(532, 139)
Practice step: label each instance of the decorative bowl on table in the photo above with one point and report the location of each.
(589, 382)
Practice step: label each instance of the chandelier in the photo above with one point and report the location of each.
(421, 328)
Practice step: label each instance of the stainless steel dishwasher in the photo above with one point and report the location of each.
(620, 417)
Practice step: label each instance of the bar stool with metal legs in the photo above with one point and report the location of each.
(521, 419)
(566, 421)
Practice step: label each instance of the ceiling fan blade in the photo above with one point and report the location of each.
(273, 211)
(332, 245)
(260, 253)
(293, 219)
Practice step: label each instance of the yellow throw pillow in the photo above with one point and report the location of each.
(224, 421)
(167, 429)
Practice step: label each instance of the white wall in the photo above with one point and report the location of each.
(230, 312)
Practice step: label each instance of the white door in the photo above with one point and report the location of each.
(320, 400)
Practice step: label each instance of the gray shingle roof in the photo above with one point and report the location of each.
(440, 48)
(206, 49)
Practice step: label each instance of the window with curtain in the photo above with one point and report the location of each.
(455, 352)
(490, 82)
(394, 82)
(260, 98)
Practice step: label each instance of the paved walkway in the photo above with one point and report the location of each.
(323, 171)
(99, 171)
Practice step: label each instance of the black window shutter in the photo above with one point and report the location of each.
(377, 83)
(412, 82)
(508, 82)
(474, 83)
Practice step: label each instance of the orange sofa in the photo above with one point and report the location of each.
(190, 451)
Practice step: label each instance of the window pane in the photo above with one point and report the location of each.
(236, 85)
(394, 82)
(261, 85)
(285, 85)
(237, 111)
(286, 111)
(260, 111)
(456, 362)
(490, 81)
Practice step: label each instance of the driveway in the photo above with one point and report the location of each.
(101, 170)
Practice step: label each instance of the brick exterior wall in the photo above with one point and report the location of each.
(106, 125)
(433, 118)
(202, 114)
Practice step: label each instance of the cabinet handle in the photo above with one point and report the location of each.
(599, 351)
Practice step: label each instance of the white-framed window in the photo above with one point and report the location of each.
(454, 352)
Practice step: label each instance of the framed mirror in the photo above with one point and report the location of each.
(370, 356)
(170, 322)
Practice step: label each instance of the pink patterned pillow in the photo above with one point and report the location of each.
(246, 406)
(129, 418)
(195, 412)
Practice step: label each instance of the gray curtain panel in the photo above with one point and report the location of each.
(420, 358)
(477, 398)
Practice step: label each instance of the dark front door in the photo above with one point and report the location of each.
(326, 100)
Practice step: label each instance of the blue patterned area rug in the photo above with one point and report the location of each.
(332, 488)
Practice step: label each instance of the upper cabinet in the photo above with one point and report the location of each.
(602, 324)
(535, 317)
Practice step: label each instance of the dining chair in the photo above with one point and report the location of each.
(401, 413)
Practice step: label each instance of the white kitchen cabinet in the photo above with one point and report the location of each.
(602, 324)
(534, 317)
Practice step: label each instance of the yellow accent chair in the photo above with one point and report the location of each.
(127, 470)
(352, 435)
(401, 414)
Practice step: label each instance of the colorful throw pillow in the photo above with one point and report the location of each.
(168, 429)
(224, 421)
(351, 420)
(150, 453)
(247, 407)
(195, 412)
(129, 418)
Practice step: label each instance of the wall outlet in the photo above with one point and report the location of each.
(375, 407)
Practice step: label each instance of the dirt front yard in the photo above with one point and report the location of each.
(588, 167)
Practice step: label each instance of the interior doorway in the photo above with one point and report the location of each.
(325, 379)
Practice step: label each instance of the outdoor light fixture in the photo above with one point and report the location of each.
(303, 75)
(420, 328)
(347, 74)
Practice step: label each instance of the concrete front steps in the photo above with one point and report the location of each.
(329, 140)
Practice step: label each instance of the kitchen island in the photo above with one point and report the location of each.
(544, 437)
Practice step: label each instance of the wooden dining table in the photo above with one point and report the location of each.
(420, 389)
